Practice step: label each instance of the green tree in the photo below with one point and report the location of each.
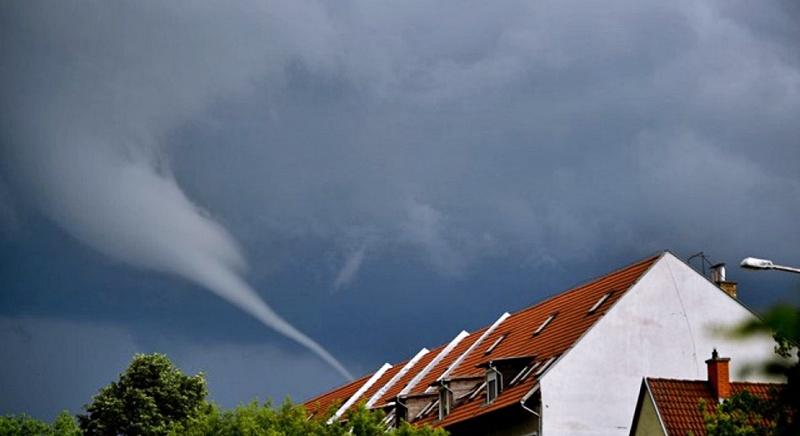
(783, 322)
(150, 397)
(65, 425)
(256, 419)
(745, 414)
(153, 397)
(24, 425)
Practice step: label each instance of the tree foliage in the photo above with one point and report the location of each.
(256, 419)
(150, 397)
(153, 397)
(745, 414)
(24, 425)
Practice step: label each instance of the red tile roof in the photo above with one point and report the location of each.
(380, 382)
(448, 360)
(572, 320)
(336, 397)
(677, 401)
(421, 364)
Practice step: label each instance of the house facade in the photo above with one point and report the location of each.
(570, 365)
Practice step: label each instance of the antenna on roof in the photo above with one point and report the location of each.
(704, 260)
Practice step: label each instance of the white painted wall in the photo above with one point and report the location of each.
(663, 327)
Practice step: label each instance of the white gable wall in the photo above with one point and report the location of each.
(663, 327)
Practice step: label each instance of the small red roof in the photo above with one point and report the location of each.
(677, 401)
(571, 319)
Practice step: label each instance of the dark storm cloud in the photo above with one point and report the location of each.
(87, 149)
(543, 129)
(383, 150)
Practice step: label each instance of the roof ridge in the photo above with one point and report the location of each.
(407, 366)
(733, 382)
(592, 280)
(668, 379)
(353, 398)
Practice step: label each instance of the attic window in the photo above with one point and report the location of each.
(495, 344)
(494, 383)
(600, 302)
(545, 323)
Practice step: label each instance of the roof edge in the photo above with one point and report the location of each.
(432, 364)
(353, 398)
(655, 406)
(654, 259)
(403, 371)
(737, 300)
(454, 365)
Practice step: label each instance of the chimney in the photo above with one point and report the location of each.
(718, 277)
(718, 376)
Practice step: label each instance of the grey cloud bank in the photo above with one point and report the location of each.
(351, 145)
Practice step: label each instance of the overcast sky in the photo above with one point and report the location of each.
(381, 174)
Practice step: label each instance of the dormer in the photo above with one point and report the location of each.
(499, 373)
(409, 406)
(452, 391)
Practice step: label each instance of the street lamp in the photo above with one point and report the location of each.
(756, 263)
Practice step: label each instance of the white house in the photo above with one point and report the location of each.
(570, 365)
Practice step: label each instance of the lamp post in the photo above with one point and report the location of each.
(756, 263)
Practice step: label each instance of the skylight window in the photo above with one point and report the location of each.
(494, 383)
(599, 302)
(495, 344)
(544, 366)
(545, 323)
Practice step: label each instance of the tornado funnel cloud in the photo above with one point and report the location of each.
(128, 206)
(239, 293)
(89, 109)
